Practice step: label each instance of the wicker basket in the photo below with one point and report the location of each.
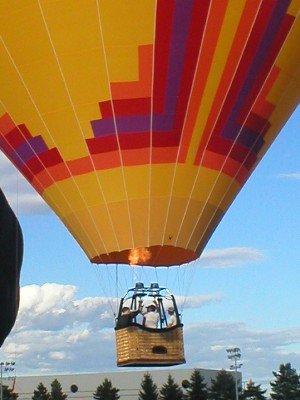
(139, 346)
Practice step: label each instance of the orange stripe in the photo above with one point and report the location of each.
(6, 124)
(80, 166)
(161, 155)
(238, 44)
(136, 157)
(42, 180)
(59, 172)
(106, 160)
(265, 109)
(242, 175)
(212, 32)
(262, 106)
(103, 161)
(215, 161)
(51, 175)
(142, 87)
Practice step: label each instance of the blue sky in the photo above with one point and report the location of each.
(243, 292)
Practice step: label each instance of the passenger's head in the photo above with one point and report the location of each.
(151, 307)
(171, 310)
(125, 310)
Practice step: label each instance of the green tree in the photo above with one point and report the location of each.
(8, 394)
(170, 390)
(223, 387)
(286, 384)
(41, 393)
(56, 391)
(253, 392)
(148, 389)
(106, 391)
(197, 389)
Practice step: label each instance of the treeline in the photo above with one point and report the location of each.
(285, 386)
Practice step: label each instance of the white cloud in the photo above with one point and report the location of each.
(76, 337)
(57, 355)
(198, 301)
(229, 258)
(23, 199)
(40, 299)
(262, 353)
(292, 176)
(56, 333)
(53, 307)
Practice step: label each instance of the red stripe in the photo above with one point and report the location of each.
(277, 43)
(134, 140)
(44, 160)
(164, 23)
(165, 139)
(103, 144)
(139, 106)
(257, 124)
(51, 157)
(197, 24)
(106, 109)
(242, 72)
(18, 135)
(26, 172)
(212, 32)
(237, 151)
(240, 38)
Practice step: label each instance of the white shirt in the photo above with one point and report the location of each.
(172, 320)
(151, 319)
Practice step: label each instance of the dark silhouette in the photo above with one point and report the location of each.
(11, 256)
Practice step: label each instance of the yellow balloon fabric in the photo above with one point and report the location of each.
(139, 121)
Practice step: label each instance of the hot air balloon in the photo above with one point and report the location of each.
(11, 256)
(139, 122)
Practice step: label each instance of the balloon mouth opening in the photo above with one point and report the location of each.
(156, 256)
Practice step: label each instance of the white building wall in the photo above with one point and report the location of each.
(128, 382)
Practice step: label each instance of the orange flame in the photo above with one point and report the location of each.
(139, 255)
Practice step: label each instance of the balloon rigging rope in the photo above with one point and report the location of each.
(115, 124)
(181, 277)
(192, 269)
(117, 287)
(181, 137)
(127, 276)
(167, 276)
(248, 153)
(55, 205)
(207, 142)
(106, 287)
(83, 140)
(151, 129)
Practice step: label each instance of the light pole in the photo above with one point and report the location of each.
(234, 354)
(5, 367)
(1, 389)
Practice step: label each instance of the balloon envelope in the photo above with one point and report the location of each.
(139, 121)
(11, 256)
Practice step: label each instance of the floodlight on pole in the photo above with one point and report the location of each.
(234, 354)
(4, 368)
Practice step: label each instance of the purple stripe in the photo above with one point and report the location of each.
(232, 128)
(5, 147)
(248, 138)
(182, 18)
(105, 127)
(30, 148)
(10, 152)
